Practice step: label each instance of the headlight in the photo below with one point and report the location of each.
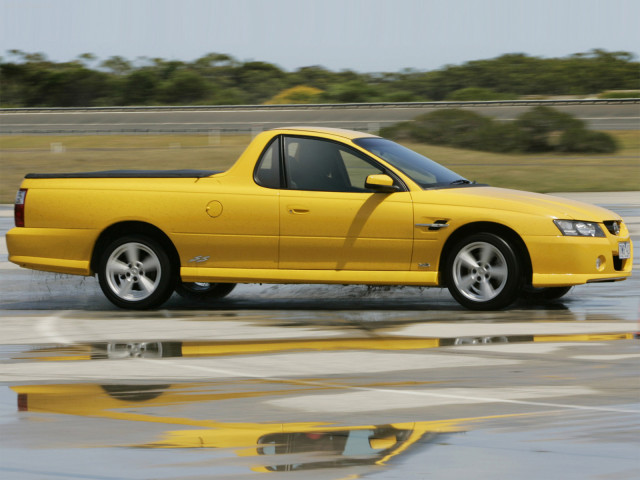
(577, 228)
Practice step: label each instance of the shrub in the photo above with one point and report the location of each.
(478, 94)
(586, 141)
(542, 126)
(351, 91)
(621, 94)
(449, 127)
(300, 94)
(501, 137)
(402, 96)
(542, 129)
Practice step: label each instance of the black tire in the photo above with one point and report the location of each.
(544, 294)
(483, 272)
(135, 272)
(203, 291)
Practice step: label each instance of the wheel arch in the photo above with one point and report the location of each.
(133, 227)
(488, 227)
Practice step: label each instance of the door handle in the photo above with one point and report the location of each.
(297, 210)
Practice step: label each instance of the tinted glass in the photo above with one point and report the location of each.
(267, 172)
(422, 170)
(358, 169)
(320, 165)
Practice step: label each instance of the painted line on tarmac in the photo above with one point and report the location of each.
(48, 328)
(466, 398)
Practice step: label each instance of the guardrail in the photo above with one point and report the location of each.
(444, 104)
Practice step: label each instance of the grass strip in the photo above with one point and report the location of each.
(20, 155)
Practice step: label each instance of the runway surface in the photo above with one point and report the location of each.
(602, 117)
(318, 382)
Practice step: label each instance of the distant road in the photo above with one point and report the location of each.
(623, 116)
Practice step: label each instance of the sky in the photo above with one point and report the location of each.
(360, 35)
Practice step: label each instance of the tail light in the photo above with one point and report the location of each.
(23, 404)
(18, 209)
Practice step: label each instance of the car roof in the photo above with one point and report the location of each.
(349, 134)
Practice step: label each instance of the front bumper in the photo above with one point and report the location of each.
(564, 261)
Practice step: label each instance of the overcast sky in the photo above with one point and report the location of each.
(362, 35)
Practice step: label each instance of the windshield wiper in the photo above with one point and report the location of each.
(462, 181)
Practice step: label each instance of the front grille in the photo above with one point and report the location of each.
(613, 226)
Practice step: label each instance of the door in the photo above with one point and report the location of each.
(329, 220)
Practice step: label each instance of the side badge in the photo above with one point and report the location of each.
(199, 259)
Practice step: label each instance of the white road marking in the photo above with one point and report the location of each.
(308, 365)
(607, 358)
(48, 328)
(289, 365)
(452, 329)
(8, 266)
(526, 348)
(451, 396)
(363, 401)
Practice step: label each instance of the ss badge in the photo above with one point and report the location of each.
(199, 259)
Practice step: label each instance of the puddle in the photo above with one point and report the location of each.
(158, 350)
(152, 412)
(179, 431)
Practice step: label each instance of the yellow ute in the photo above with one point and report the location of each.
(312, 205)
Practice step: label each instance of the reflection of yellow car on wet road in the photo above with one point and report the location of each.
(310, 205)
(268, 446)
(211, 348)
(280, 446)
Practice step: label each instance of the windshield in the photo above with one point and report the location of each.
(423, 171)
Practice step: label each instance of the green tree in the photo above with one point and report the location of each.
(184, 87)
(30, 79)
(260, 80)
(313, 76)
(352, 91)
(141, 87)
(117, 65)
(76, 86)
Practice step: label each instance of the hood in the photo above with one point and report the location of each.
(515, 201)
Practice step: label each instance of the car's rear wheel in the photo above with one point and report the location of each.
(135, 272)
(204, 291)
(483, 272)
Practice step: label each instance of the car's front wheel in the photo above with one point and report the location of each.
(135, 272)
(483, 272)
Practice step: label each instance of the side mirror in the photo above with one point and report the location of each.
(382, 443)
(381, 183)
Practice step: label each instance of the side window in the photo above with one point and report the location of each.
(267, 173)
(314, 164)
(358, 169)
(321, 165)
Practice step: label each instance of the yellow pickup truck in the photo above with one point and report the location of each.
(313, 205)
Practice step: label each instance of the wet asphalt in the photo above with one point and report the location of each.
(318, 382)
